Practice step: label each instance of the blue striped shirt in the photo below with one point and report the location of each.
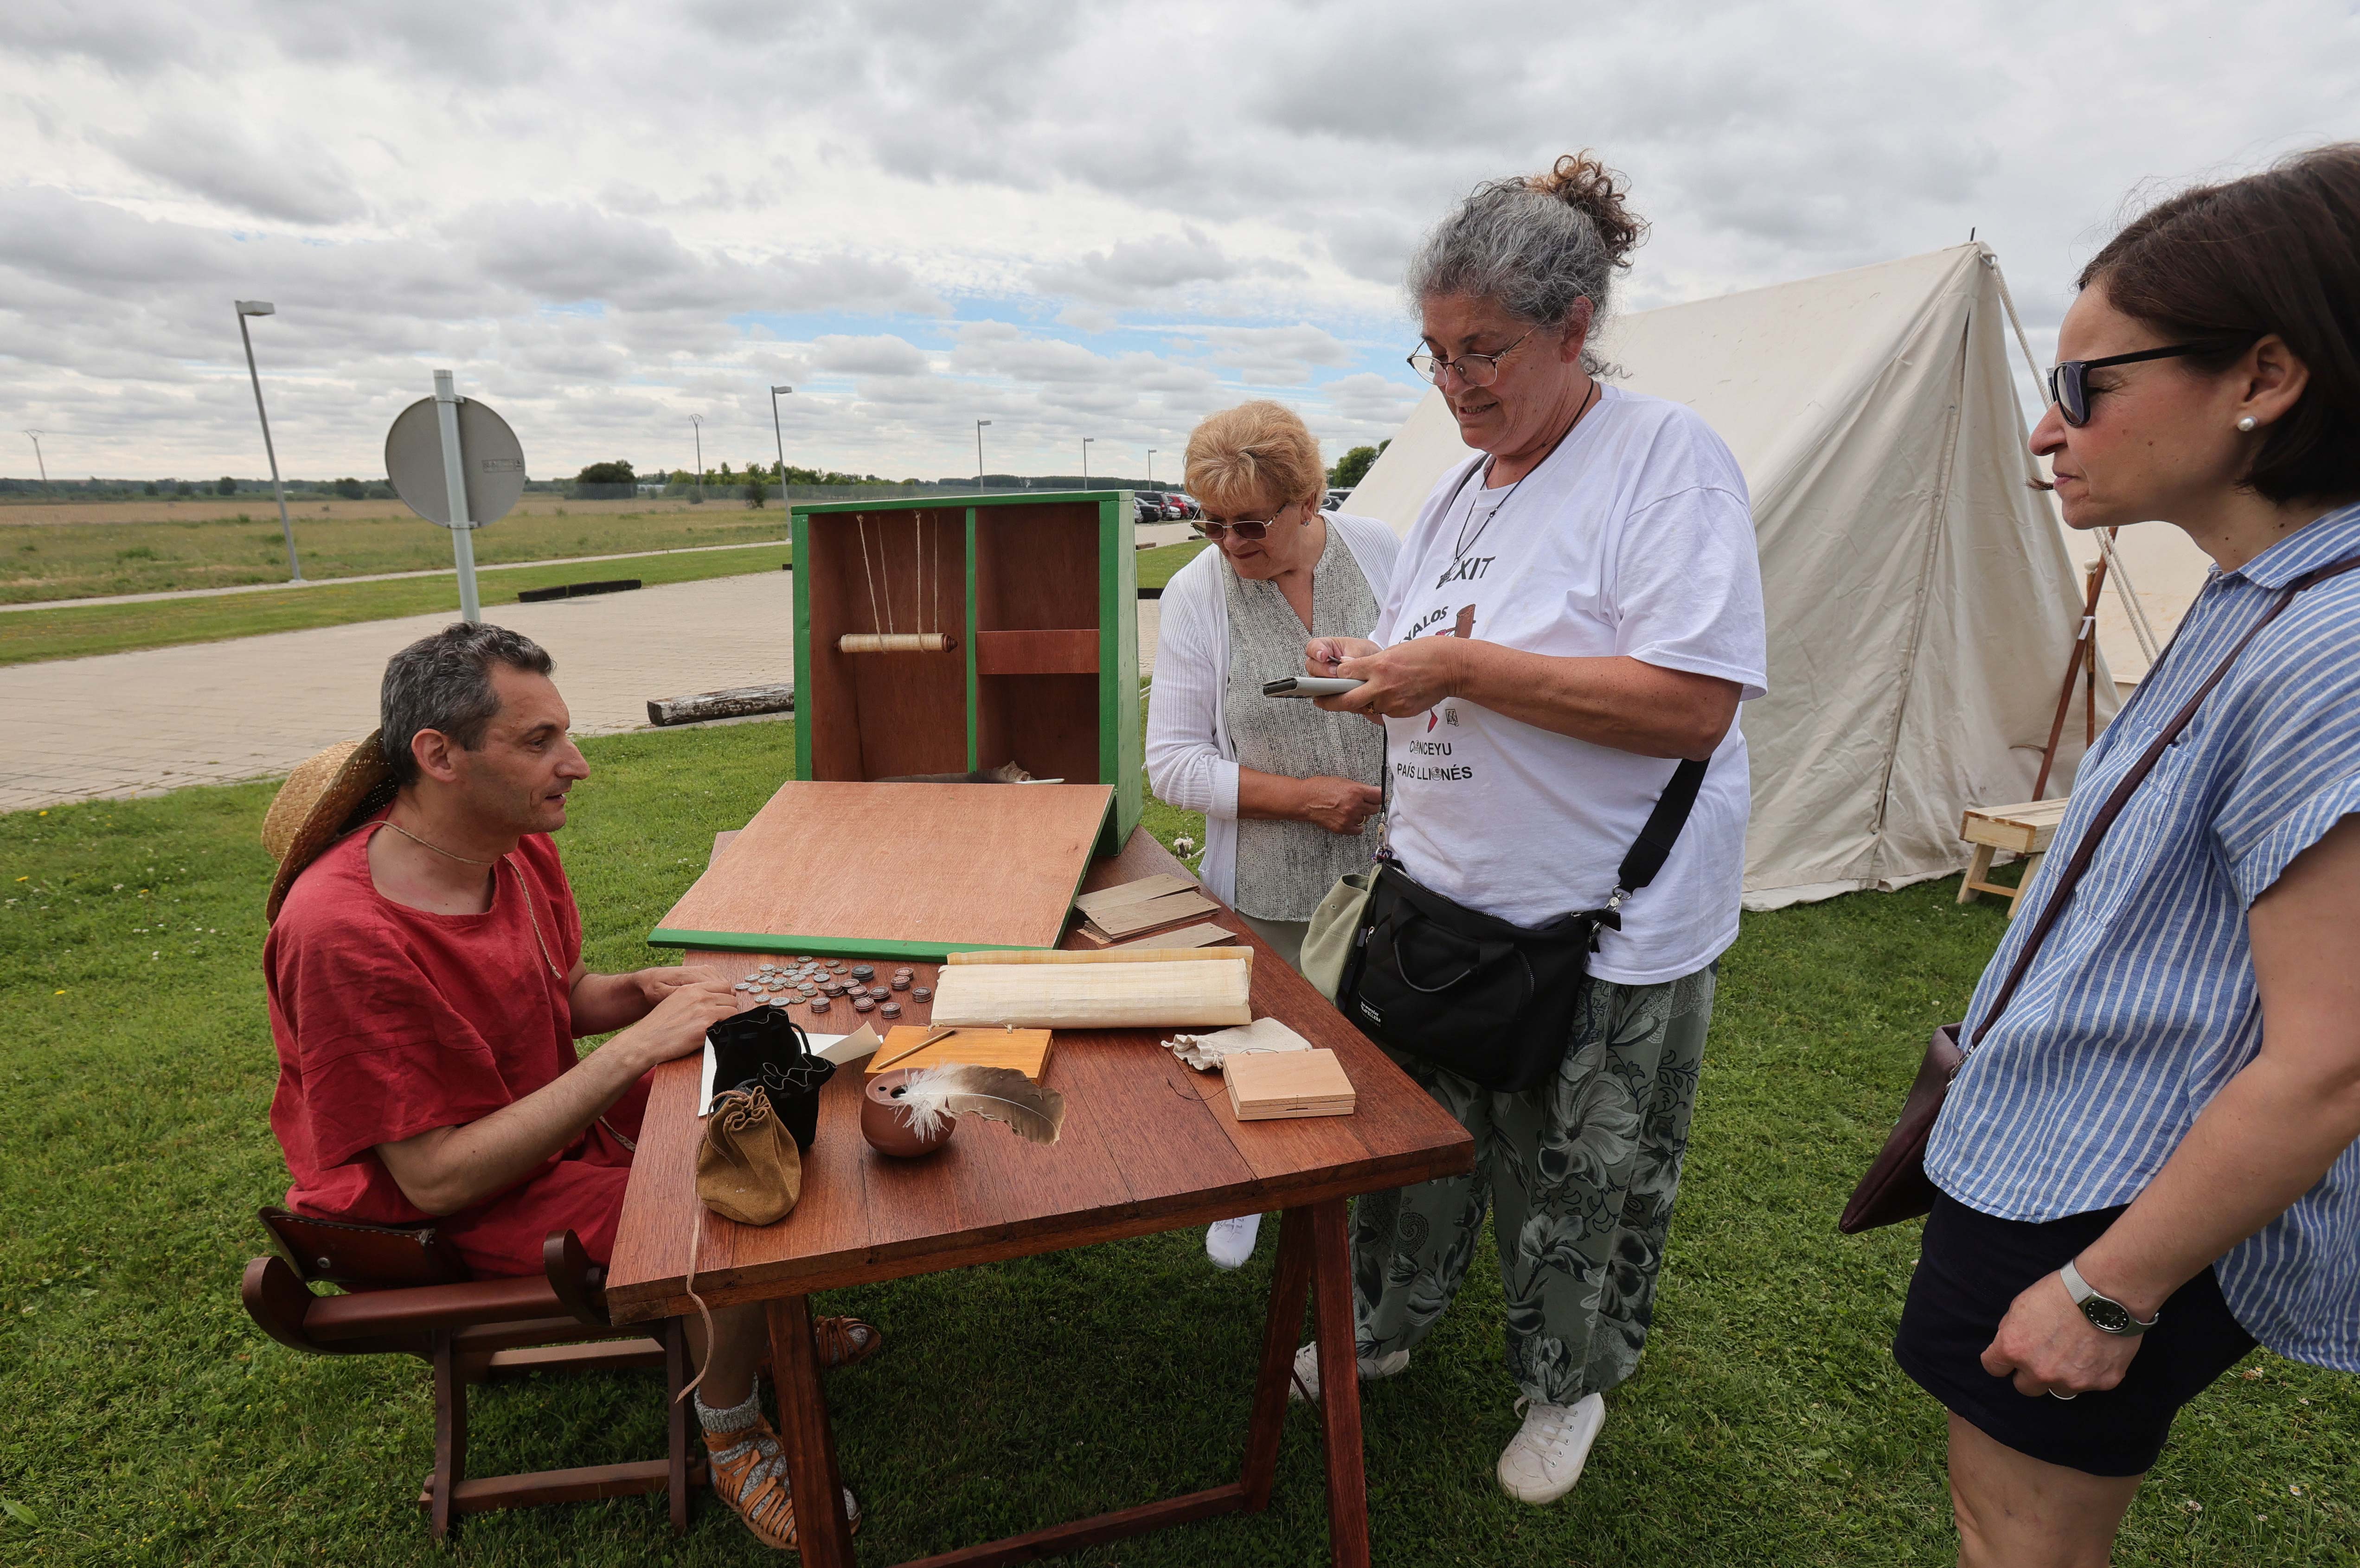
(2141, 1004)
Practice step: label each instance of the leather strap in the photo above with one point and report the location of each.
(1654, 844)
(2120, 797)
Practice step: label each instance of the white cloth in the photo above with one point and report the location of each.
(1206, 1052)
(1191, 760)
(1634, 538)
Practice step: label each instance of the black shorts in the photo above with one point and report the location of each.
(1972, 1267)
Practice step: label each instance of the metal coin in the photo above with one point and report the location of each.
(862, 1004)
(864, 971)
(920, 994)
(889, 1009)
(900, 982)
(819, 1005)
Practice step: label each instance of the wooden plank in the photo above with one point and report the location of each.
(582, 1485)
(1026, 1051)
(1171, 993)
(1097, 1530)
(1137, 892)
(1200, 936)
(1045, 652)
(1264, 1085)
(909, 869)
(1130, 920)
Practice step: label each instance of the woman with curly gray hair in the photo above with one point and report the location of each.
(1570, 627)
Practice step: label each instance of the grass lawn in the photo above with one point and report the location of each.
(149, 1422)
(65, 552)
(79, 630)
(1156, 566)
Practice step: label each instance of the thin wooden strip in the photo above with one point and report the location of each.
(1174, 941)
(1129, 953)
(1137, 892)
(1130, 920)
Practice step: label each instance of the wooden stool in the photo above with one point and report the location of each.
(2026, 828)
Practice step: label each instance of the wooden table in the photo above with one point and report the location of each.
(1148, 1146)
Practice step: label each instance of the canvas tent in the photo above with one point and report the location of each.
(1922, 601)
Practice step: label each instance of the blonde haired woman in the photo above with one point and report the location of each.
(1288, 791)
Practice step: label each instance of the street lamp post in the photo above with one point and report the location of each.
(1151, 468)
(265, 308)
(40, 461)
(1085, 460)
(979, 452)
(699, 426)
(780, 439)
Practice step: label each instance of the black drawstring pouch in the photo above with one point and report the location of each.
(763, 1047)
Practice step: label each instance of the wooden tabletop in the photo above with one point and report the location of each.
(1148, 1145)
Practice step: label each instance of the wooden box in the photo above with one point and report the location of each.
(1036, 598)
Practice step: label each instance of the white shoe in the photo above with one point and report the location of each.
(1544, 1460)
(1306, 1385)
(1228, 1243)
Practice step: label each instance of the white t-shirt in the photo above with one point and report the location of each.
(1634, 538)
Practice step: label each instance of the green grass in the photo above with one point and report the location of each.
(149, 1422)
(79, 631)
(241, 543)
(1156, 566)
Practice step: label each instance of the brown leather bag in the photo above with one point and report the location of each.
(748, 1168)
(1896, 1187)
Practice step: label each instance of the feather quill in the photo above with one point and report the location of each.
(998, 1093)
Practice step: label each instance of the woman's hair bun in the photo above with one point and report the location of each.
(1587, 185)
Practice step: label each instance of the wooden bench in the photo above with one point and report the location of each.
(2025, 828)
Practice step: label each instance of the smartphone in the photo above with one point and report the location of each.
(1307, 686)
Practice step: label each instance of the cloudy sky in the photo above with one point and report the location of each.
(1075, 220)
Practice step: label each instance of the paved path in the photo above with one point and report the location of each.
(130, 723)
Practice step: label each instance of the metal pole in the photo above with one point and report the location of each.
(1151, 468)
(455, 486)
(1085, 460)
(979, 452)
(294, 567)
(780, 439)
(42, 461)
(699, 426)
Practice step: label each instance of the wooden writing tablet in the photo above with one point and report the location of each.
(895, 870)
(1027, 1051)
(1267, 1084)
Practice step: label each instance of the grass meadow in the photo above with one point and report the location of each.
(149, 1422)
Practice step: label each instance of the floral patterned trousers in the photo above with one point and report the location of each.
(1580, 1176)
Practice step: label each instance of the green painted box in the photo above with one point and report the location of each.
(1034, 598)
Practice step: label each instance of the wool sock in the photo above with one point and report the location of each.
(728, 1432)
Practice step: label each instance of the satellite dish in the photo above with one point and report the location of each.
(494, 463)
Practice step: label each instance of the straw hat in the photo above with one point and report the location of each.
(325, 795)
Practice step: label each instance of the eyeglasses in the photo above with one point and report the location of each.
(1475, 369)
(2069, 380)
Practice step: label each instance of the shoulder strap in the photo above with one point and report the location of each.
(2087, 848)
(1654, 844)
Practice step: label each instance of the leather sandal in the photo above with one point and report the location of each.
(768, 1506)
(846, 1340)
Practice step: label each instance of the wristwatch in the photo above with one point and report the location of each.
(2105, 1314)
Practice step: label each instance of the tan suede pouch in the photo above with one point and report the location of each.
(748, 1168)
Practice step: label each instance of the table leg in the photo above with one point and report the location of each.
(1288, 1287)
(1340, 1384)
(820, 1527)
(1978, 873)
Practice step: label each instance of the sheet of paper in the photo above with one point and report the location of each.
(819, 1044)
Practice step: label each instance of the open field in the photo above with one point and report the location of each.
(78, 552)
(149, 1422)
(77, 631)
(1156, 566)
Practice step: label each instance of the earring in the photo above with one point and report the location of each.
(2246, 424)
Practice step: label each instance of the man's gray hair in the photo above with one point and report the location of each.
(443, 683)
(1535, 246)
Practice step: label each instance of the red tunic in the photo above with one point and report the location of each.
(392, 1021)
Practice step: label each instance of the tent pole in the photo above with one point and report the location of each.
(2082, 648)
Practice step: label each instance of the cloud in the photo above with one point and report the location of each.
(884, 356)
(284, 177)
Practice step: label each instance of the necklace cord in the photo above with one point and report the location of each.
(1466, 544)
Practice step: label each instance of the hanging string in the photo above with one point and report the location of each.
(860, 520)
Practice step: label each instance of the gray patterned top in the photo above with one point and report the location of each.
(1284, 868)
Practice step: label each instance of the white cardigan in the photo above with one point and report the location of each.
(1191, 761)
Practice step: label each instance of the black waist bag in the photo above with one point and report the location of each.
(1491, 1001)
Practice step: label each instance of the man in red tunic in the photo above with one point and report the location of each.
(426, 988)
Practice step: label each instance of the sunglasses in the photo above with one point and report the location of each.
(2069, 380)
(1245, 528)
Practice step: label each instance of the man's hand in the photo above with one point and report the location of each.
(676, 1025)
(655, 985)
(2048, 1345)
(1339, 805)
(1403, 681)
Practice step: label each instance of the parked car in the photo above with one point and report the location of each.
(1188, 506)
(1166, 509)
(1146, 508)
(1334, 501)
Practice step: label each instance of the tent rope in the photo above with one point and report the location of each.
(2132, 610)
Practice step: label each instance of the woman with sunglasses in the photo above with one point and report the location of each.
(1288, 792)
(2148, 1162)
(1577, 611)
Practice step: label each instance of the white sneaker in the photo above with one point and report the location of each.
(1544, 1460)
(1306, 1385)
(1228, 1243)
